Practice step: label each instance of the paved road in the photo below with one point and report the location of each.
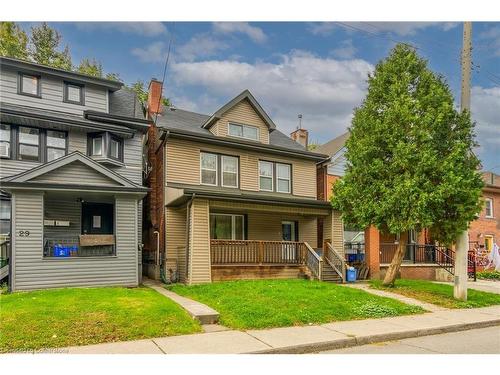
(477, 341)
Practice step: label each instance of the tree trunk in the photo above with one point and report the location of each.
(392, 270)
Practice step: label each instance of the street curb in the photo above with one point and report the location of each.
(363, 340)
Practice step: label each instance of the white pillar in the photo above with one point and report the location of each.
(461, 277)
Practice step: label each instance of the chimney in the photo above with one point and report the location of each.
(300, 135)
(154, 96)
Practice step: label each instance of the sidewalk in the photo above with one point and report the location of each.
(490, 286)
(306, 339)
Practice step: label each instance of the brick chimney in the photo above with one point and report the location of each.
(300, 136)
(154, 96)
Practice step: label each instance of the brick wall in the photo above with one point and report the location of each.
(484, 226)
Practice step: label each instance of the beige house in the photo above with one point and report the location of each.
(232, 197)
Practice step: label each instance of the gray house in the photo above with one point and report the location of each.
(70, 178)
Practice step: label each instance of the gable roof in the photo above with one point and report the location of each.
(75, 157)
(335, 145)
(245, 95)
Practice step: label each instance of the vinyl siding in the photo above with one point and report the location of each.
(183, 166)
(75, 172)
(63, 209)
(338, 165)
(241, 113)
(176, 240)
(52, 94)
(333, 231)
(32, 271)
(199, 243)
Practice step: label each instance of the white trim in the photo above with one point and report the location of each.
(490, 201)
(237, 171)
(216, 168)
(294, 229)
(272, 175)
(289, 179)
(242, 131)
(233, 224)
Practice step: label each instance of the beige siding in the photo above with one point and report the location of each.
(183, 166)
(333, 231)
(241, 113)
(238, 206)
(75, 172)
(199, 243)
(176, 240)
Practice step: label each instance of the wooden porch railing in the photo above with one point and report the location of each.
(313, 261)
(257, 252)
(335, 260)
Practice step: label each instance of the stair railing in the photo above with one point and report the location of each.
(313, 261)
(335, 260)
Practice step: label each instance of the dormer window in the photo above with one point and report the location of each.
(29, 84)
(105, 147)
(73, 93)
(243, 131)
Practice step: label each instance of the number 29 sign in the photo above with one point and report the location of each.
(24, 233)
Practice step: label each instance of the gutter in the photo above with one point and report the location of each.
(132, 123)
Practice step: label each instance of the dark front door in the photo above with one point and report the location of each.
(97, 218)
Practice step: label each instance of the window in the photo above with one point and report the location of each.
(4, 216)
(105, 147)
(266, 175)
(115, 148)
(5, 141)
(244, 131)
(56, 144)
(275, 177)
(227, 227)
(208, 168)
(73, 93)
(96, 149)
(29, 85)
(229, 171)
(283, 178)
(29, 141)
(488, 243)
(488, 207)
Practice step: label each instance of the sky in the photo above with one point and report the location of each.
(318, 70)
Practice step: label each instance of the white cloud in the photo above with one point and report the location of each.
(140, 28)
(491, 39)
(346, 50)
(399, 28)
(200, 45)
(154, 52)
(324, 90)
(253, 32)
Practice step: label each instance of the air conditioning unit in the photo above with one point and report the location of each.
(4, 149)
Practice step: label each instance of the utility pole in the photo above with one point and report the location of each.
(462, 248)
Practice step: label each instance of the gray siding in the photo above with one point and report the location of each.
(63, 209)
(76, 172)
(338, 165)
(96, 98)
(32, 271)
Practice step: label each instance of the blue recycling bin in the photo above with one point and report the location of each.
(61, 251)
(351, 275)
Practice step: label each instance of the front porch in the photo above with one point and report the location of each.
(229, 240)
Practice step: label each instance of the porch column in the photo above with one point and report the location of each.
(333, 231)
(200, 267)
(372, 251)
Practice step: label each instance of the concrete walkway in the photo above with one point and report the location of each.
(399, 297)
(306, 339)
(490, 286)
(203, 313)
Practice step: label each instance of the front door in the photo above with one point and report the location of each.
(97, 218)
(289, 233)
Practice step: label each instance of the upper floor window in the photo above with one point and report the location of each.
(244, 131)
(29, 84)
(208, 168)
(105, 145)
(211, 164)
(5, 141)
(275, 176)
(29, 144)
(73, 93)
(488, 207)
(4, 216)
(56, 144)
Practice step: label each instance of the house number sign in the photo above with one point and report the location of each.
(24, 233)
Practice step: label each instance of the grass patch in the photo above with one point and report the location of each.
(279, 303)
(488, 275)
(439, 294)
(81, 316)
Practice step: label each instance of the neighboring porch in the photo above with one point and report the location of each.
(239, 240)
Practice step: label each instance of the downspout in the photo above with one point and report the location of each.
(188, 229)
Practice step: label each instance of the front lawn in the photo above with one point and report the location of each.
(81, 316)
(279, 303)
(439, 294)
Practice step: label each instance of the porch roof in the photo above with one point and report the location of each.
(182, 193)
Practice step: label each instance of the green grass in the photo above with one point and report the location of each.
(439, 294)
(278, 303)
(489, 275)
(80, 316)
